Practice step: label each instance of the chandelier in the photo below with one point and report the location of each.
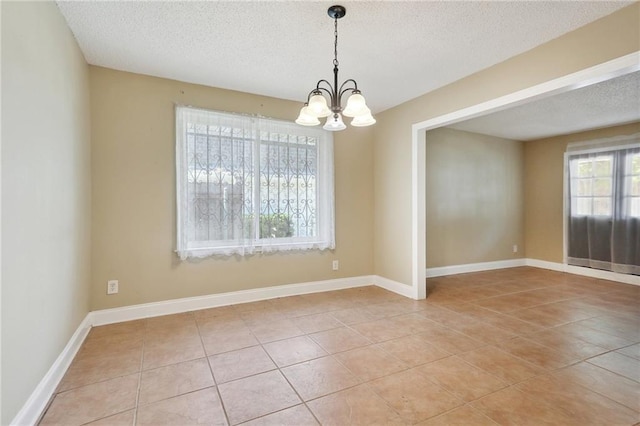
(316, 106)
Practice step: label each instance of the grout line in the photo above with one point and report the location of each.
(213, 377)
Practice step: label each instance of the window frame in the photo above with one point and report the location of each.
(324, 238)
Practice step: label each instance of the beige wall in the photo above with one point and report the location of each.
(474, 193)
(133, 165)
(611, 37)
(544, 177)
(45, 195)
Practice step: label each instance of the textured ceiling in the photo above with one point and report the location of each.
(395, 50)
(605, 104)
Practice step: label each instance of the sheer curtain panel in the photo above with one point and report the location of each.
(603, 214)
(247, 184)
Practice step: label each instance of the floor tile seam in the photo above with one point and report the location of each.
(559, 370)
(546, 369)
(106, 417)
(58, 392)
(279, 369)
(636, 409)
(592, 329)
(611, 371)
(467, 404)
(579, 385)
(552, 348)
(537, 305)
(443, 389)
(495, 376)
(631, 342)
(219, 383)
(406, 366)
(606, 350)
(137, 399)
(529, 364)
(213, 377)
(192, 391)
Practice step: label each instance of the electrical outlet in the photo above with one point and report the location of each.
(335, 265)
(515, 248)
(112, 286)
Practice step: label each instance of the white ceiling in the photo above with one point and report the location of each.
(395, 50)
(605, 104)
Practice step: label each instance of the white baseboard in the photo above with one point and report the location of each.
(394, 286)
(543, 264)
(473, 267)
(147, 310)
(587, 272)
(40, 397)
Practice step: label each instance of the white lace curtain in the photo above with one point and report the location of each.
(247, 184)
(603, 214)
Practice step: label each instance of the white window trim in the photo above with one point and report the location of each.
(325, 212)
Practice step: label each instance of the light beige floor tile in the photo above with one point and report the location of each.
(413, 396)
(88, 370)
(172, 352)
(370, 362)
(462, 416)
(450, 340)
(583, 332)
(413, 350)
(318, 322)
(584, 405)
(618, 363)
(269, 331)
(196, 408)
(355, 406)
(352, 316)
(93, 402)
(618, 388)
(241, 363)
(511, 406)
(313, 379)
(256, 396)
(339, 339)
(632, 351)
(380, 330)
(537, 354)
(230, 339)
(172, 380)
(121, 419)
(294, 416)
(294, 350)
(461, 379)
(501, 364)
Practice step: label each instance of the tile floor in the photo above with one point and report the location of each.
(514, 346)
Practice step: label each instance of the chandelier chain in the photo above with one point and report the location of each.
(335, 45)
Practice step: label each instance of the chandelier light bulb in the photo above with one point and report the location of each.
(306, 118)
(334, 123)
(317, 107)
(363, 120)
(356, 105)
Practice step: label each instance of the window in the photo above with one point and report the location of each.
(592, 185)
(603, 218)
(247, 184)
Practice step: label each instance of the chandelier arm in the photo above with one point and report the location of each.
(329, 92)
(326, 82)
(355, 86)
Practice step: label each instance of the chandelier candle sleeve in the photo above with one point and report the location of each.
(317, 107)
